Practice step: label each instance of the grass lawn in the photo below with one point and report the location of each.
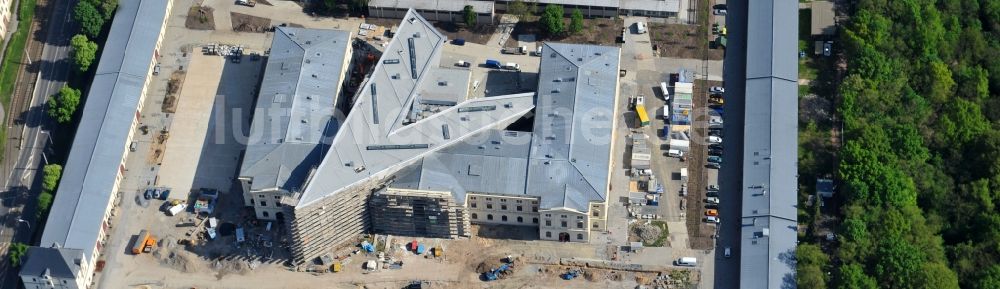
(12, 61)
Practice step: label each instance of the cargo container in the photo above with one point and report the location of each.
(143, 243)
(643, 117)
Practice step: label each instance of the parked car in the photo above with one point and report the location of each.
(458, 41)
(712, 200)
(715, 146)
(640, 28)
(712, 219)
(714, 165)
(721, 12)
(715, 152)
(712, 188)
(716, 89)
(712, 212)
(715, 159)
(728, 252)
(714, 139)
(712, 193)
(827, 48)
(712, 206)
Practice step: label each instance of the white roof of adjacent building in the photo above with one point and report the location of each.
(294, 119)
(652, 5)
(565, 161)
(388, 126)
(88, 179)
(770, 146)
(435, 5)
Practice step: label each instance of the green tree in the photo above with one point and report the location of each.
(941, 82)
(50, 177)
(935, 276)
(852, 276)
(990, 278)
(16, 251)
(44, 202)
(63, 105)
(576, 22)
(552, 20)
(469, 15)
(83, 51)
(107, 7)
(518, 8)
(91, 21)
(811, 264)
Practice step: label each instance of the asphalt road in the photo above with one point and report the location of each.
(21, 184)
(727, 270)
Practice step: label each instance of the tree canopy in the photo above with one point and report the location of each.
(576, 21)
(920, 162)
(83, 52)
(552, 20)
(91, 20)
(64, 104)
(469, 16)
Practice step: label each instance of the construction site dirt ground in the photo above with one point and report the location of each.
(536, 266)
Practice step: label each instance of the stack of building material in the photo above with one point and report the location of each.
(640, 152)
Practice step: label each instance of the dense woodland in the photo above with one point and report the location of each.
(919, 169)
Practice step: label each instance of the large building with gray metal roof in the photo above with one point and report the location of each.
(761, 78)
(88, 189)
(295, 118)
(399, 139)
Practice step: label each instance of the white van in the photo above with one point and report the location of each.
(666, 112)
(686, 261)
(511, 66)
(666, 93)
(675, 153)
(640, 27)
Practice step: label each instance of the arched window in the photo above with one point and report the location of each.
(548, 234)
(503, 218)
(520, 220)
(475, 216)
(489, 217)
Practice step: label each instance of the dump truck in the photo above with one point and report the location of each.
(144, 243)
(515, 50)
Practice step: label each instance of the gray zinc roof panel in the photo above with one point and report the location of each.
(379, 114)
(56, 262)
(573, 124)
(91, 169)
(772, 40)
(769, 169)
(294, 114)
(137, 22)
(767, 261)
